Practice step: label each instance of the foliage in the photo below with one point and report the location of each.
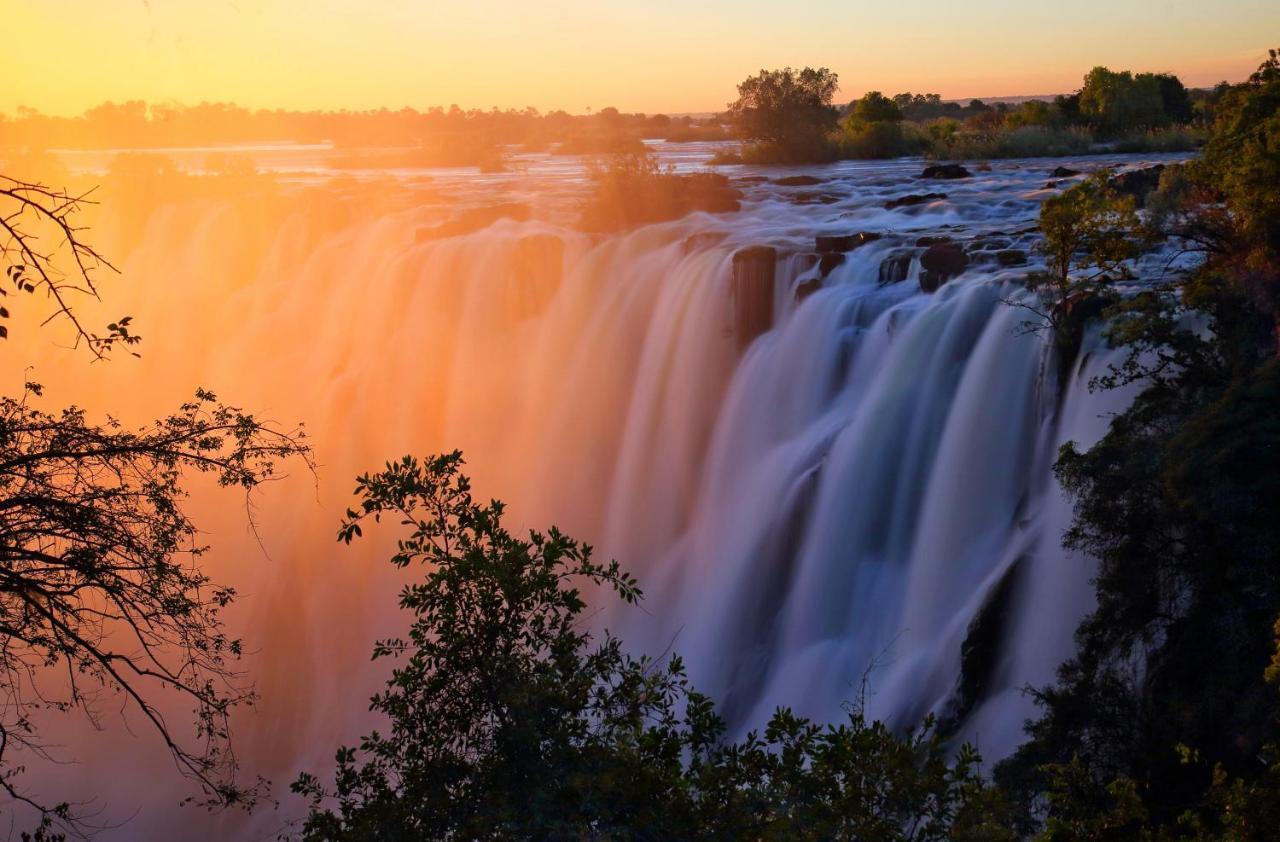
(42, 253)
(787, 113)
(1163, 725)
(1091, 233)
(1119, 102)
(100, 589)
(875, 107)
(632, 189)
(506, 720)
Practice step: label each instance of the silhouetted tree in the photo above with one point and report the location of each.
(101, 593)
(505, 721)
(787, 112)
(43, 254)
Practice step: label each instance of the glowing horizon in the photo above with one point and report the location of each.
(575, 56)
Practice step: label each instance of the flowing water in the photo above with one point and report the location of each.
(819, 513)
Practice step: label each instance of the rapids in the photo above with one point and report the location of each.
(817, 514)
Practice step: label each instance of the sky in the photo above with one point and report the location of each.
(673, 56)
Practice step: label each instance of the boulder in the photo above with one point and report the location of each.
(945, 261)
(1064, 172)
(934, 240)
(913, 199)
(752, 290)
(1011, 257)
(843, 242)
(946, 171)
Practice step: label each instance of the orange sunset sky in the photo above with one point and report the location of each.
(62, 56)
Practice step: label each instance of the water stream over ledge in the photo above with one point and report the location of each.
(862, 491)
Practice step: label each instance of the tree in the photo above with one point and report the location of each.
(100, 589)
(875, 107)
(101, 592)
(633, 189)
(1091, 233)
(787, 112)
(1164, 718)
(43, 253)
(1119, 102)
(505, 720)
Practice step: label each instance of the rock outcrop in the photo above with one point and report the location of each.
(754, 269)
(843, 242)
(940, 263)
(946, 171)
(913, 199)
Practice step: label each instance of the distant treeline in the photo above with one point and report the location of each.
(436, 136)
(788, 116)
(781, 117)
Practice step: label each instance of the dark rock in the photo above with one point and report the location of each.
(1137, 183)
(1064, 172)
(828, 262)
(798, 181)
(934, 240)
(983, 645)
(989, 244)
(751, 179)
(943, 262)
(1051, 185)
(931, 281)
(946, 171)
(843, 242)
(804, 289)
(753, 275)
(913, 199)
(1011, 257)
(896, 267)
(1070, 317)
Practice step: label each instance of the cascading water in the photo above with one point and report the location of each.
(862, 493)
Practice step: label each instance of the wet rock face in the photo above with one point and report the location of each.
(980, 652)
(828, 262)
(825, 243)
(896, 267)
(1137, 183)
(754, 269)
(913, 199)
(1011, 257)
(804, 289)
(940, 263)
(946, 171)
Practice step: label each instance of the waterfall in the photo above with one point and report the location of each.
(819, 512)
